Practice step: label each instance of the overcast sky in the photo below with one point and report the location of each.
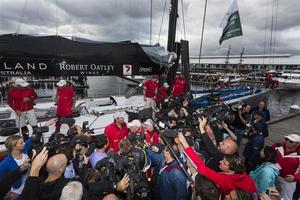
(118, 20)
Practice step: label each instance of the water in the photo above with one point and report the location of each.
(279, 102)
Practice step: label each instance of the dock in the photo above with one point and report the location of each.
(278, 128)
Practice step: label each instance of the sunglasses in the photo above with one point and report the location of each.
(286, 139)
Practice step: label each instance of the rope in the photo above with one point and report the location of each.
(56, 17)
(266, 30)
(21, 17)
(162, 20)
(151, 10)
(201, 41)
(183, 21)
(272, 27)
(275, 29)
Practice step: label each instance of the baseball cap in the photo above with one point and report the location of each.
(61, 83)
(293, 137)
(119, 114)
(134, 123)
(21, 82)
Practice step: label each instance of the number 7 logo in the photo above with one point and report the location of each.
(127, 69)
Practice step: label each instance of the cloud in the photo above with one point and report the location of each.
(118, 20)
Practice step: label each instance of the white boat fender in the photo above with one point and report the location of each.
(294, 109)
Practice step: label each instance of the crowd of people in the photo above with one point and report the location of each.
(172, 154)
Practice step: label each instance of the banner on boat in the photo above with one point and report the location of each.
(23, 55)
(25, 67)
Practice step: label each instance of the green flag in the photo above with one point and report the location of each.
(231, 23)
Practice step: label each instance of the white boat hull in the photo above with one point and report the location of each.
(92, 107)
(289, 84)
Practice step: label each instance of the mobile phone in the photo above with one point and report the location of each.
(268, 192)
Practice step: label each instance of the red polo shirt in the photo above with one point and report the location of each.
(16, 95)
(65, 101)
(152, 137)
(114, 134)
(150, 87)
(179, 86)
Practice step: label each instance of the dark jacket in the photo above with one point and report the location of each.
(99, 189)
(171, 183)
(253, 147)
(265, 111)
(215, 156)
(36, 189)
(264, 128)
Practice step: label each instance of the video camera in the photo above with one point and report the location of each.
(214, 114)
(113, 168)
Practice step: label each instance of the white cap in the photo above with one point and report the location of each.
(166, 85)
(148, 122)
(293, 137)
(134, 123)
(61, 83)
(21, 82)
(119, 114)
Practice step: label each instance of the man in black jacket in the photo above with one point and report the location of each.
(216, 153)
(49, 189)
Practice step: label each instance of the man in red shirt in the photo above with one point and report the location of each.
(162, 94)
(64, 99)
(116, 131)
(288, 157)
(150, 91)
(151, 134)
(21, 99)
(179, 86)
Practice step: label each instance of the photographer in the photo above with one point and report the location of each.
(254, 146)
(262, 107)
(36, 187)
(180, 116)
(99, 153)
(216, 153)
(240, 122)
(97, 186)
(233, 174)
(259, 119)
(171, 181)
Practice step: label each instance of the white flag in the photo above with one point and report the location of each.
(231, 23)
(233, 8)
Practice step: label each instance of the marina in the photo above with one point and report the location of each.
(109, 100)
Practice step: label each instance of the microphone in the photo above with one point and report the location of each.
(133, 91)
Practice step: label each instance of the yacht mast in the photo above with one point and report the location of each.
(172, 26)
